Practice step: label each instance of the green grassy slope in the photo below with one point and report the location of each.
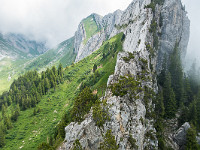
(90, 27)
(10, 66)
(63, 53)
(29, 130)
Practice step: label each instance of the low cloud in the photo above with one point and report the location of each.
(51, 20)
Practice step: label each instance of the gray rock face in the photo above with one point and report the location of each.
(128, 116)
(198, 139)
(128, 22)
(175, 28)
(87, 132)
(106, 25)
(180, 135)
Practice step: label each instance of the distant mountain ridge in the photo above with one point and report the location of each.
(15, 51)
(23, 44)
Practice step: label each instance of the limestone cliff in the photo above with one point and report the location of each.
(130, 117)
(175, 28)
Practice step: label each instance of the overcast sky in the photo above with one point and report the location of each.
(57, 20)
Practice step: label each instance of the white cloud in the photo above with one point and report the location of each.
(51, 20)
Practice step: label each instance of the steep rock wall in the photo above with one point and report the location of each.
(175, 28)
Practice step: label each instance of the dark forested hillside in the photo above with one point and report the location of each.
(178, 95)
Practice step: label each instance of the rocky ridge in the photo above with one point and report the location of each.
(129, 117)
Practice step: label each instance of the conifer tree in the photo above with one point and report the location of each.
(94, 68)
(7, 122)
(43, 75)
(83, 103)
(3, 110)
(169, 97)
(15, 113)
(160, 109)
(109, 142)
(193, 78)
(2, 138)
(77, 145)
(176, 72)
(183, 116)
(24, 104)
(54, 70)
(46, 85)
(17, 110)
(187, 95)
(9, 100)
(193, 113)
(33, 101)
(191, 142)
(161, 77)
(60, 70)
(198, 111)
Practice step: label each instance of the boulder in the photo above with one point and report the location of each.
(180, 135)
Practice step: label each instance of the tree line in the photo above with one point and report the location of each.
(24, 93)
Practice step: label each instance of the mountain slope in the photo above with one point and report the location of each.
(29, 131)
(25, 45)
(7, 50)
(11, 60)
(63, 53)
(18, 55)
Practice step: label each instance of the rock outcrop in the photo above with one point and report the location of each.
(198, 139)
(180, 135)
(129, 117)
(105, 25)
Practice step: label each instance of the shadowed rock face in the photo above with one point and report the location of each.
(127, 115)
(180, 135)
(198, 139)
